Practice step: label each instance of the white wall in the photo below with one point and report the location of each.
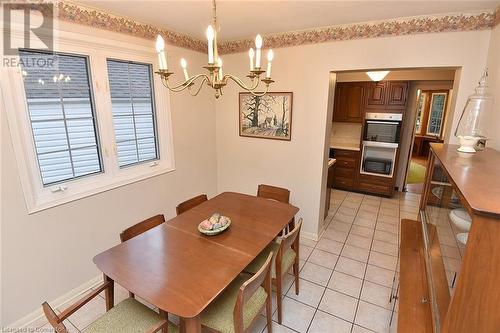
(47, 254)
(242, 163)
(494, 80)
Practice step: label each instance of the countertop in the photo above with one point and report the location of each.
(346, 146)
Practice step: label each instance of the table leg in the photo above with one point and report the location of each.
(109, 294)
(190, 325)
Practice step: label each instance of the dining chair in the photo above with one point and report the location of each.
(128, 316)
(191, 203)
(241, 303)
(274, 193)
(139, 228)
(287, 257)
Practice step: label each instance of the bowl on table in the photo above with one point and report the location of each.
(214, 225)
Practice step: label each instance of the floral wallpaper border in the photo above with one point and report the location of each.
(398, 27)
(88, 16)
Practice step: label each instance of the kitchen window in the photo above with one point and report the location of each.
(89, 119)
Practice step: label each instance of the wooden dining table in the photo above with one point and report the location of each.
(181, 271)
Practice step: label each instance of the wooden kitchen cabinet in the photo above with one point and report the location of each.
(349, 102)
(386, 96)
(346, 169)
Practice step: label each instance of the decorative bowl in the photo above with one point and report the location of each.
(216, 224)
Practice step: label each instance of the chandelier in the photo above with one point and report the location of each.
(215, 77)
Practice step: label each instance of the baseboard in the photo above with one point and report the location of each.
(309, 235)
(70, 296)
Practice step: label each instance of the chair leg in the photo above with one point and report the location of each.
(296, 273)
(269, 313)
(164, 315)
(279, 299)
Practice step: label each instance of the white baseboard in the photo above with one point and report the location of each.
(70, 296)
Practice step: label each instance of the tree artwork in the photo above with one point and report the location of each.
(267, 116)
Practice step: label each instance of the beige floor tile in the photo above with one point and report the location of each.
(323, 258)
(383, 260)
(259, 324)
(359, 241)
(384, 247)
(326, 323)
(385, 236)
(373, 317)
(376, 294)
(336, 235)
(339, 304)
(329, 245)
(366, 215)
(369, 208)
(48, 328)
(393, 228)
(450, 251)
(308, 242)
(340, 226)
(296, 315)
(315, 273)
(359, 329)
(309, 293)
(304, 251)
(379, 275)
(389, 212)
(362, 231)
(356, 253)
(277, 328)
(387, 219)
(366, 222)
(351, 267)
(347, 211)
(351, 204)
(346, 284)
(343, 218)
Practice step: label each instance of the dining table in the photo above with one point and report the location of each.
(181, 271)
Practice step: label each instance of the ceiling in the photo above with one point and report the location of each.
(241, 19)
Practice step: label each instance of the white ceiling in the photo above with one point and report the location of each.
(240, 19)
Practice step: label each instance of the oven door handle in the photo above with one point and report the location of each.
(383, 122)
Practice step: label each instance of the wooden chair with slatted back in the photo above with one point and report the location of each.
(241, 303)
(139, 228)
(126, 317)
(278, 194)
(274, 193)
(287, 257)
(188, 204)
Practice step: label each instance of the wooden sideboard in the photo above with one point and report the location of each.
(447, 286)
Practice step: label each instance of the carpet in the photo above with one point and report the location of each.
(416, 174)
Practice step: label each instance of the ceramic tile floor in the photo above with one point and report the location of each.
(345, 278)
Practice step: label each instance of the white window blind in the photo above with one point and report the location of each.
(61, 113)
(133, 111)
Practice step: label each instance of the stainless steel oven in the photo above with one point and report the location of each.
(383, 127)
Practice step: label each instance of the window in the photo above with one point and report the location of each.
(436, 114)
(133, 111)
(61, 113)
(431, 112)
(94, 119)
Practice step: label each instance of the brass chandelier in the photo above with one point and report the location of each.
(215, 77)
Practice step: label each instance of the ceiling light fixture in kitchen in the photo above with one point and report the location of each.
(377, 75)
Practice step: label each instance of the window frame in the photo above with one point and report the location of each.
(97, 49)
(445, 104)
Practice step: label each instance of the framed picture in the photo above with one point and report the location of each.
(267, 117)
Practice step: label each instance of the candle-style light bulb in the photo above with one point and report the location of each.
(160, 48)
(219, 63)
(184, 68)
(210, 39)
(251, 54)
(270, 56)
(258, 46)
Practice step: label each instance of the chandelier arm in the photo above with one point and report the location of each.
(199, 87)
(241, 83)
(185, 84)
(262, 93)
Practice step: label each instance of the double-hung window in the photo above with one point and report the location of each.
(85, 120)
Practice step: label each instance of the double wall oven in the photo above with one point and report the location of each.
(380, 143)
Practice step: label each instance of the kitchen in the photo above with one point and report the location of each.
(373, 121)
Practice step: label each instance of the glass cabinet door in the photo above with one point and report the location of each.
(445, 225)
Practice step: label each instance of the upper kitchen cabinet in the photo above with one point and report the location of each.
(386, 96)
(349, 102)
